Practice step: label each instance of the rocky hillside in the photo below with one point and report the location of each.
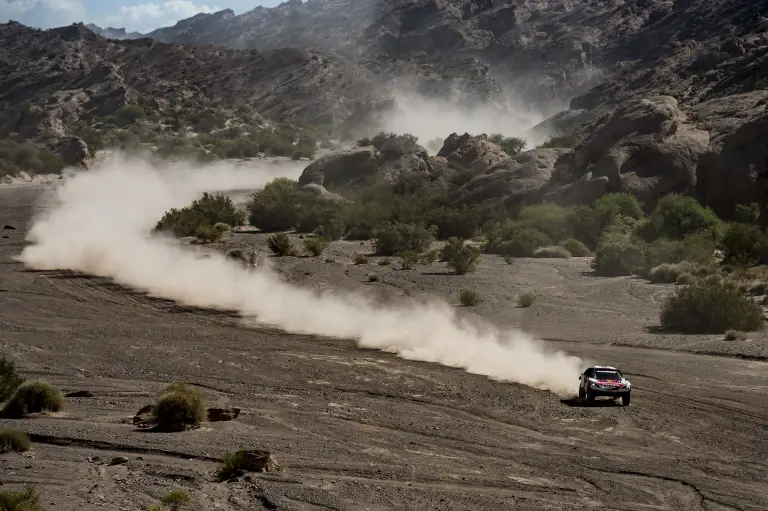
(546, 50)
(113, 33)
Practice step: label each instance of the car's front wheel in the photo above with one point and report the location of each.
(625, 399)
(581, 392)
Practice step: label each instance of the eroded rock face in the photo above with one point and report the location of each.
(341, 168)
(645, 147)
(474, 153)
(523, 177)
(74, 152)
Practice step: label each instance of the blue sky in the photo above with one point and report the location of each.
(138, 15)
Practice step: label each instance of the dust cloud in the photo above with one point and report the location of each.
(99, 222)
(430, 118)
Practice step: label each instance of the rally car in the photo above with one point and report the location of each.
(604, 381)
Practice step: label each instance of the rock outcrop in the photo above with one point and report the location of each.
(476, 153)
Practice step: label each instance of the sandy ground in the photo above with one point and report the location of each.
(364, 430)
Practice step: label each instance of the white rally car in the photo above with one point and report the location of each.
(604, 381)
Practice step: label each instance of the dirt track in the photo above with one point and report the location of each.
(360, 429)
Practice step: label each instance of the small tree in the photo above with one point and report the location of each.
(460, 257)
(618, 254)
(676, 216)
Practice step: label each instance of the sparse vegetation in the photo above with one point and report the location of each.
(393, 239)
(469, 298)
(711, 305)
(409, 259)
(179, 407)
(27, 499)
(9, 379)
(510, 145)
(525, 300)
(373, 277)
(33, 396)
(175, 500)
(315, 245)
(280, 244)
(554, 141)
(460, 257)
(17, 157)
(13, 441)
(735, 335)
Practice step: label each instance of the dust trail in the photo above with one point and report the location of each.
(100, 224)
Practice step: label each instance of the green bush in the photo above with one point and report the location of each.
(179, 407)
(576, 248)
(279, 206)
(510, 145)
(744, 245)
(550, 219)
(315, 245)
(201, 218)
(711, 305)
(27, 499)
(460, 257)
(673, 272)
(13, 441)
(514, 239)
(16, 157)
(559, 141)
(555, 252)
(677, 216)
(9, 379)
(525, 300)
(280, 244)
(469, 298)
(175, 500)
(395, 238)
(33, 396)
(617, 255)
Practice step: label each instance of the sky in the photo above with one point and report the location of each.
(133, 15)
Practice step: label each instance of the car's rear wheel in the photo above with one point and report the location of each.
(625, 399)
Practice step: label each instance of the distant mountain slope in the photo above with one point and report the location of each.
(113, 33)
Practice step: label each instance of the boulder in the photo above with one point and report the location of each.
(223, 414)
(523, 177)
(340, 168)
(474, 153)
(644, 147)
(74, 152)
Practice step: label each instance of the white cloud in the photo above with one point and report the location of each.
(43, 13)
(149, 16)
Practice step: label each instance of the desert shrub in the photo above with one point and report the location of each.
(558, 141)
(360, 259)
(13, 441)
(575, 248)
(613, 205)
(735, 335)
(618, 254)
(128, 114)
(175, 500)
(677, 216)
(429, 257)
(744, 245)
(395, 238)
(27, 499)
(746, 213)
(554, 252)
(469, 298)
(25, 156)
(279, 206)
(201, 217)
(515, 239)
(667, 272)
(685, 278)
(9, 379)
(550, 219)
(222, 227)
(460, 257)
(525, 300)
(409, 259)
(179, 407)
(33, 396)
(385, 262)
(280, 244)
(373, 277)
(315, 245)
(450, 223)
(510, 145)
(392, 145)
(711, 305)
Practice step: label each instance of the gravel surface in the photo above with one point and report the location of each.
(360, 429)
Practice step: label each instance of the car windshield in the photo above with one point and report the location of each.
(607, 375)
